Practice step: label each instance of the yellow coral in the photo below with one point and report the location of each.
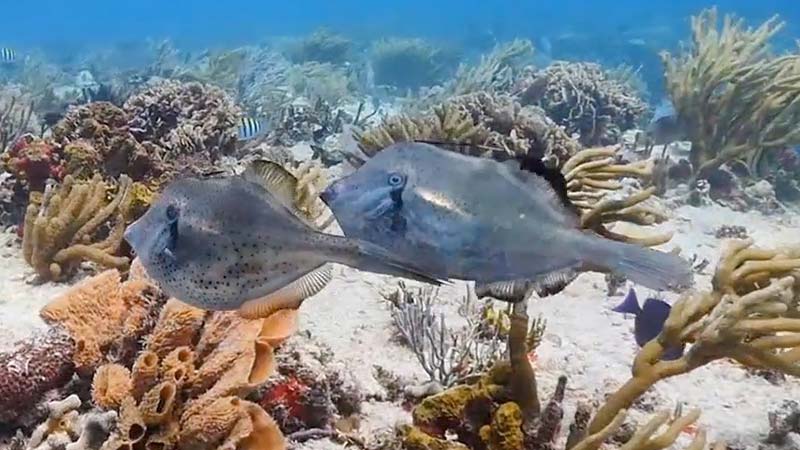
(207, 425)
(750, 317)
(65, 223)
(111, 385)
(156, 405)
(131, 427)
(144, 374)
(505, 431)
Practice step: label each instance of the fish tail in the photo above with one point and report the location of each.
(369, 257)
(650, 268)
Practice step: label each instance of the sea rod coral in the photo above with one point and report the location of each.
(61, 226)
(737, 99)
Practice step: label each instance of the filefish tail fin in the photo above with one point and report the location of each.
(369, 257)
(650, 268)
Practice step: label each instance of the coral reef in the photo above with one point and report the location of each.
(186, 389)
(17, 116)
(749, 317)
(222, 69)
(33, 161)
(320, 81)
(105, 317)
(184, 118)
(62, 226)
(584, 99)
(310, 391)
(33, 367)
(736, 100)
(96, 138)
(495, 72)
(445, 354)
(408, 64)
(593, 179)
(323, 46)
(480, 124)
(66, 428)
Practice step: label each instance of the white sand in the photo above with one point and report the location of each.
(593, 346)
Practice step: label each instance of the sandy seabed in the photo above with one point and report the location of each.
(585, 340)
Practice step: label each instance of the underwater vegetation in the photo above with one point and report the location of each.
(744, 318)
(409, 63)
(585, 99)
(87, 148)
(736, 98)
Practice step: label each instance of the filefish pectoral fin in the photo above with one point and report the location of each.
(290, 296)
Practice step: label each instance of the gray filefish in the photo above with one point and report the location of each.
(472, 218)
(226, 243)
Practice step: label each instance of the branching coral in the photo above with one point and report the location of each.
(322, 46)
(736, 100)
(16, 117)
(221, 69)
(480, 124)
(494, 72)
(62, 223)
(320, 81)
(584, 99)
(66, 429)
(592, 176)
(184, 118)
(407, 63)
(445, 354)
(752, 316)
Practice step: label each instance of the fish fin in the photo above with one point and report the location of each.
(651, 268)
(630, 305)
(517, 290)
(541, 186)
(278, 181)
(274, 178)
(290, 296)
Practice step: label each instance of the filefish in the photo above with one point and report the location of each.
(473, 218)
(249, 128)
(7, 55)
(649, 321)
(236, 242)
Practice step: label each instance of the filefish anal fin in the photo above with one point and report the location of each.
(290, 296)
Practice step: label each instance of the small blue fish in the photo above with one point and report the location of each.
(7, 55)
(649, 321)
(665, 127)
(249, 128)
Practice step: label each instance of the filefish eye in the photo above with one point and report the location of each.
(172, 213)
(396, 179)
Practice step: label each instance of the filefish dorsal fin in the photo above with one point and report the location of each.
(290, 296)
(278, 181)
(541, 187)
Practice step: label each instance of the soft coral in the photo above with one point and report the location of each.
(34, 160)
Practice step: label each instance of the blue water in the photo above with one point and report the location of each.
(202, 23)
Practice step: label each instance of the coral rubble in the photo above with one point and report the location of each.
(61, 226)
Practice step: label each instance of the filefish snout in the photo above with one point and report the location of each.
(134, 236)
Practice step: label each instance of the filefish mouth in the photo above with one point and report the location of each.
(131, 235)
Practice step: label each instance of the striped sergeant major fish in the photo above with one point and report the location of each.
(249, 128)
(7, 55)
